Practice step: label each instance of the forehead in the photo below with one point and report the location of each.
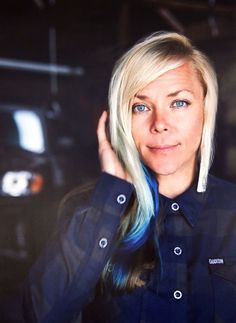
(183, 77)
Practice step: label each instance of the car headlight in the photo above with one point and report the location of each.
(21, 183)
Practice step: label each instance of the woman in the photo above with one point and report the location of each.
(155, 240)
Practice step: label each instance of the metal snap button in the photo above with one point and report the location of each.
(103, 243)
(175, 206)
(178, 294)
(121, 199)
(110, 268)
(177, 251)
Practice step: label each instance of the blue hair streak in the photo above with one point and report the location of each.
(136, 238)
(139, 234)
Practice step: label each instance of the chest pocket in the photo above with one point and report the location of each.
(223, 278)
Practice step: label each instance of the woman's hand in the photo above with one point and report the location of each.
(108, 159)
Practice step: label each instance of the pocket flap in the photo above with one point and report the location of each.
(226, 270)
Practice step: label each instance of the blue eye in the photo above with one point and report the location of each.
(180, 104)
(139, 108)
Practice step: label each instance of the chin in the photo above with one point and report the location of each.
(164, 172)
(163, 169)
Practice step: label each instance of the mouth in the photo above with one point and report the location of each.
(162, 148)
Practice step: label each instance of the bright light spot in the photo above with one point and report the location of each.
(16, 183)
(30, 131)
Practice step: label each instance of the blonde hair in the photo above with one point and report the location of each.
(142, 64)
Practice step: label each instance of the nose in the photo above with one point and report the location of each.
(159, 123)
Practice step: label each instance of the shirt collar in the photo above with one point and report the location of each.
(190, 203)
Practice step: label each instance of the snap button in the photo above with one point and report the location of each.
(110, 268)
(121, 199)
(177, 251)
(177, 294)
(103, 243)
(175, 206)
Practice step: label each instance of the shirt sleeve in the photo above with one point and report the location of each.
(63, 278)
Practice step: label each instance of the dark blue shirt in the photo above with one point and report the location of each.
(197, 283)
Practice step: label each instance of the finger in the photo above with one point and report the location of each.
(101, 129)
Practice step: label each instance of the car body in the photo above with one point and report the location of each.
(37, 167)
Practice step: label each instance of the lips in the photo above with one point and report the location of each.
(163, 148)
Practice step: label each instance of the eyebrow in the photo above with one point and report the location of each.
(143, 97)
(179, 91)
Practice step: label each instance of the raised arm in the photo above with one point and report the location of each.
(108, 159)
(63, 279)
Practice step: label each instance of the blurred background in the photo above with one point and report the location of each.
(56, 58)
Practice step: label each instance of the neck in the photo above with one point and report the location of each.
(175, 184)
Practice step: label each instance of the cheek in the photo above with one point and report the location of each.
(137, 133)
(136, 139)
(195, 132)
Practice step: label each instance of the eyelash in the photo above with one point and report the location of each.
(186, 104)
(173, 104)
(134, 108)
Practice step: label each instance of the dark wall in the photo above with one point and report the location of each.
(91, 35)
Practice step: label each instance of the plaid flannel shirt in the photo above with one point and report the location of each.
(197, 283)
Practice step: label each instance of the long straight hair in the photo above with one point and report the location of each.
(142, 64)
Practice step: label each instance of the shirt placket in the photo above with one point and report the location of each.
(173, 281)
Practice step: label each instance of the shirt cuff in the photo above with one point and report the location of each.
(113, 193)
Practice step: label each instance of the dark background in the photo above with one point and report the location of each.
(91, 35)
